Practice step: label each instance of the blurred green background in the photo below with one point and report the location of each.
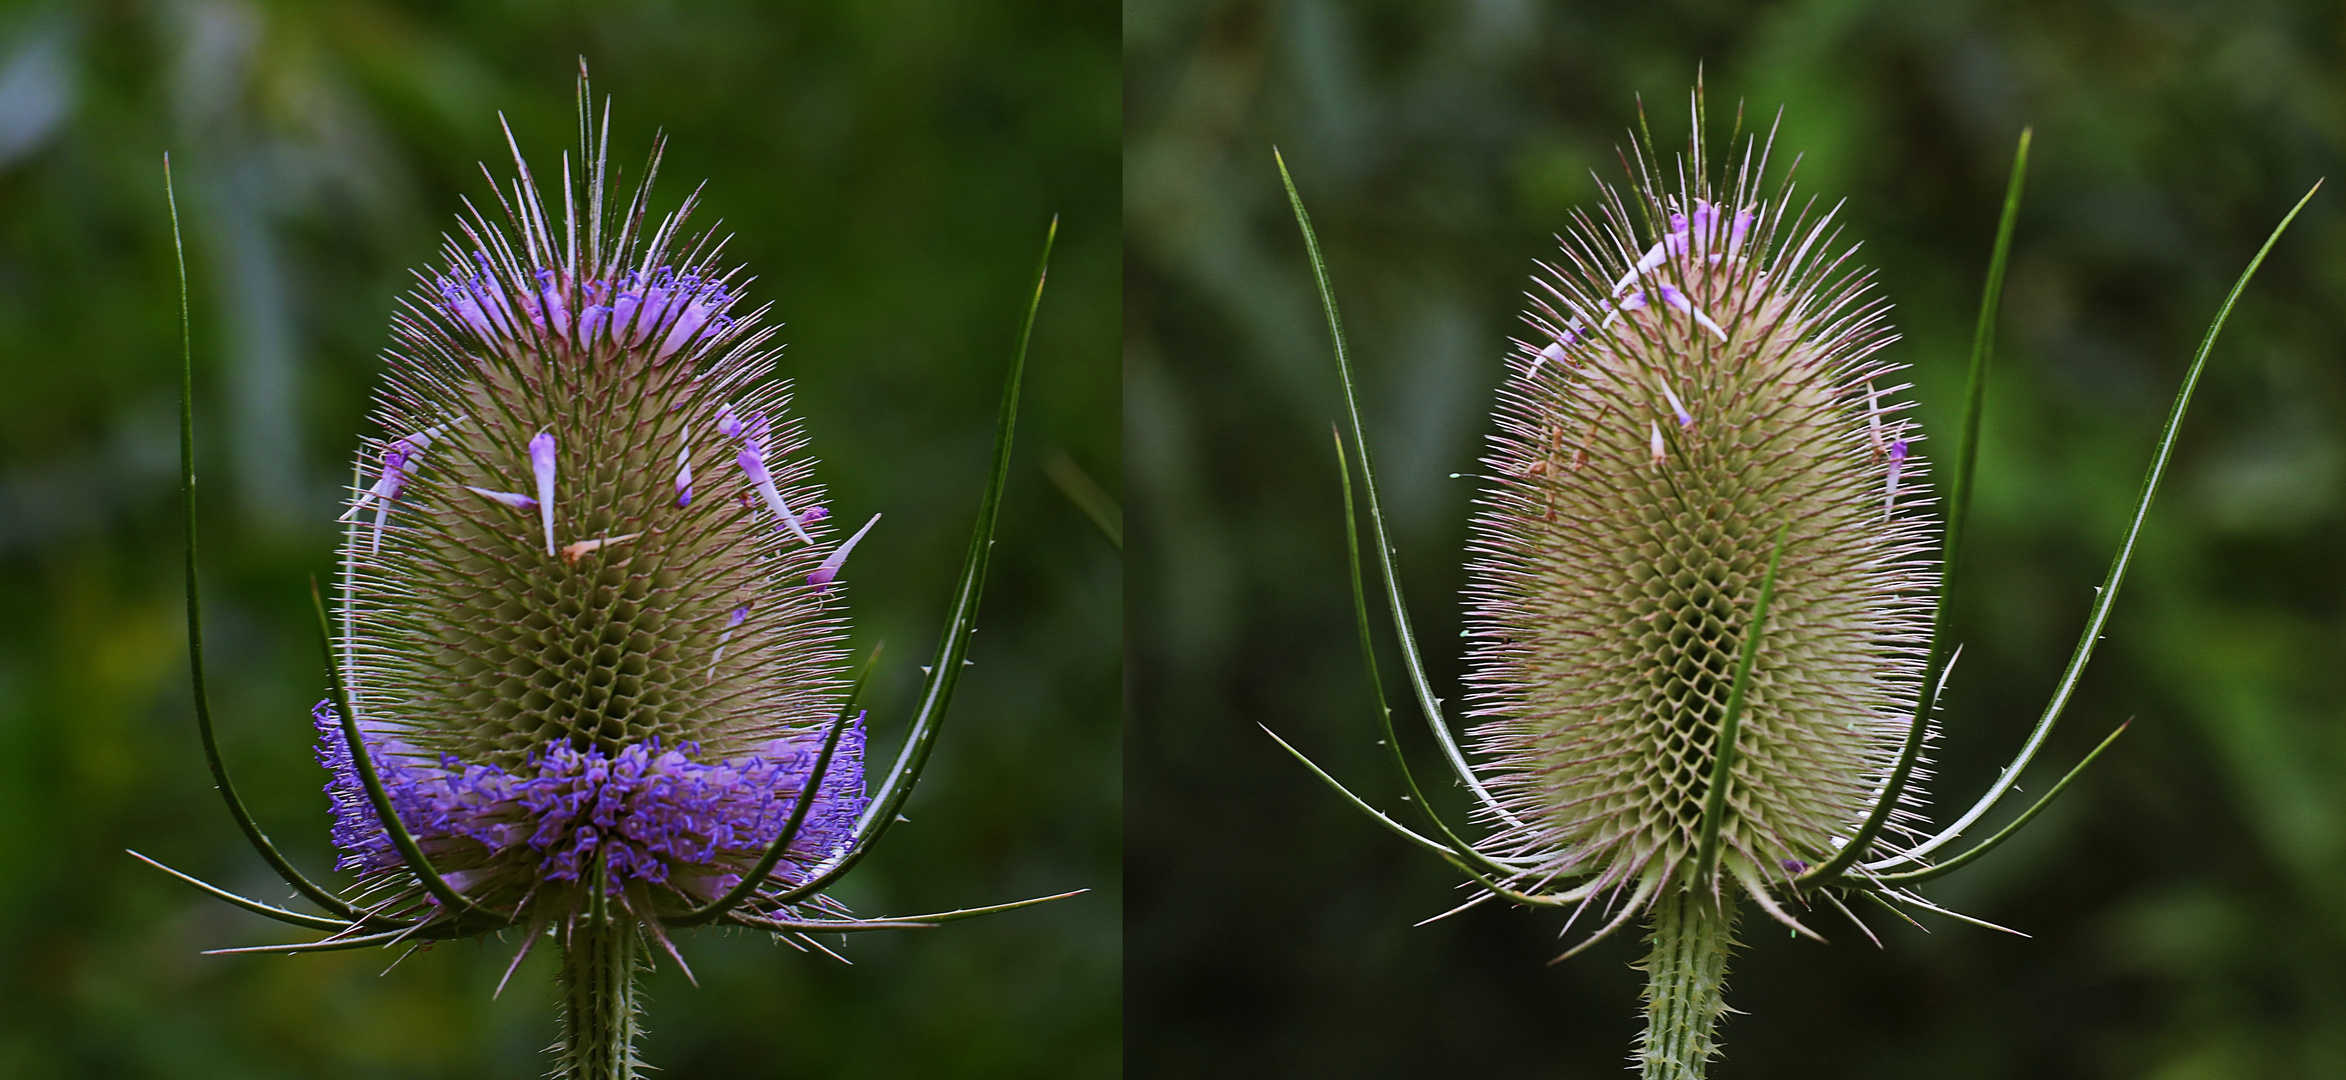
(2187, 898)
(887, 170)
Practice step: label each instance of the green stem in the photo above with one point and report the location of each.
(1686, 982)
(598, 998)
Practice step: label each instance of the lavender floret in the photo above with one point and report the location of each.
(655, 814)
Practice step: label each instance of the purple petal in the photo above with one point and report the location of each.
(541, 462)
(753, 465)
(506, 498)
(823, 575)
(1706, 218)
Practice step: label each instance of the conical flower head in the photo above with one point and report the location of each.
(1704, 373)
(588, 613)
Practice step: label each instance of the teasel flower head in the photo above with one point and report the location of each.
(1692, 397)
(587, 659)
(587, 617)
(1706, 619)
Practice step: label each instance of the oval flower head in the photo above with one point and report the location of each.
(1702, 591)
(587, 659)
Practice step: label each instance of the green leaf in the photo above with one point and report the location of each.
(2005, 833)
(295, 918)
(897, 922)
(1496, 886)
(1360, 804)
(368, 941)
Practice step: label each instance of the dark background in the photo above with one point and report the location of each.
(2187, 899)
(887, 170)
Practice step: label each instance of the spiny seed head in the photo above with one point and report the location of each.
(1704, 370)
(588, 613)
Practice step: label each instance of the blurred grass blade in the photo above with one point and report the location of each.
(2098, 616)
(961, 617)
(195, 606)
(1936, 657)
(1086, 494)
(1427, 702)
(1714, 802)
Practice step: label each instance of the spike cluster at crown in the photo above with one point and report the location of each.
(661, 311)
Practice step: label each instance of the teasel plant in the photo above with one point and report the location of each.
(586, 666)
(1705, 603)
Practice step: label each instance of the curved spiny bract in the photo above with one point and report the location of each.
(1687, 392)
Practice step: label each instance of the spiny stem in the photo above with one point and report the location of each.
(598, 995)
(1686, 982)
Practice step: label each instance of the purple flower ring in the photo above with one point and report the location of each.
(651, 814)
